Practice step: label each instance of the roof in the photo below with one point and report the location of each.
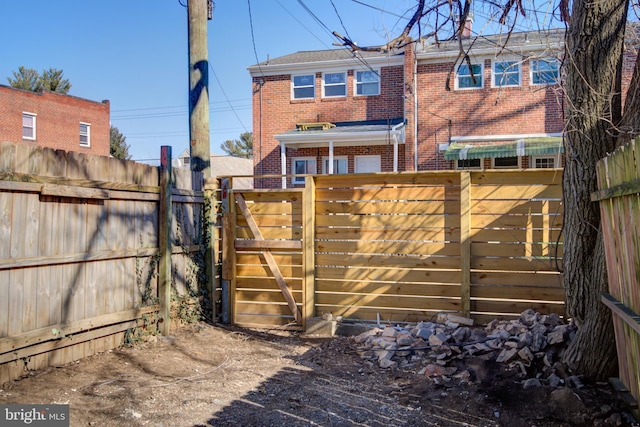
(325, 55)
(515, 43)
(373, 132)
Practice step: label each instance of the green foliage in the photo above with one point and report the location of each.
(52, 80)
(29, 79)
(239, 148)
(118, 147)
(26, 79)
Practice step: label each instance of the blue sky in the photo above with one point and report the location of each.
(134, 53)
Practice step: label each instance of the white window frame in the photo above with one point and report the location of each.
(367, 156)
(514, 68)
(517, 166)
(479, 75)
(325, 164)
(357, 82)
(325, 85)
(554, 157)
(533, 71)
(88, 135)
(299, 178)
(458, 167)
(294, 87)
(33, 116)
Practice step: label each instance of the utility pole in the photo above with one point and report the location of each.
(199, 11)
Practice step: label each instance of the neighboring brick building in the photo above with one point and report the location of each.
(335, 111)
(54, 120)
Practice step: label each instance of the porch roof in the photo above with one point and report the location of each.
(522, 147)
(370, 132)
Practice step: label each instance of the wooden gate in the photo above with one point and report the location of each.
(262, 256)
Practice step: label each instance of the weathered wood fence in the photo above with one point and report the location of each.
(81, 251)
(394, 247)
(619, 197)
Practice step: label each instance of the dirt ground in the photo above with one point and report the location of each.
(210, 375)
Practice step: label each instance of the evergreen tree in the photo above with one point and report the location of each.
(26, 79)
(119, 147)
(29, 79)
(239, 148)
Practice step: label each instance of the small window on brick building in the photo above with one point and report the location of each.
(28, 126)
(339, 165)
(303, 166)
(545, 71)
(506, 73)
(469, 164)
(334, 84)
(469, 77)
(304, 87)
(512, 162)
(367, 83)
(85, 135)
(545, 162)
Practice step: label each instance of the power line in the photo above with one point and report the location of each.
(227, 98)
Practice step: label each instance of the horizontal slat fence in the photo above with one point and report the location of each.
(403, 247)
(619, 197)
(78, 263)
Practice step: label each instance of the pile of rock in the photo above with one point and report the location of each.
(533, 344)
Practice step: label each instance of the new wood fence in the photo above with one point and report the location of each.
(81, 250)
(619, 197)
(395, 247)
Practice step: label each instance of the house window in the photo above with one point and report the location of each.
(303, 166)
(506, 73)
(304, 87)
(334, 84)
(28, 126)
(544, 162)
(367, 83)
(469, 77)
(85, 135)
(364, 164)
(506, 162)
(340, 165)
(469, 164)
(545, 71)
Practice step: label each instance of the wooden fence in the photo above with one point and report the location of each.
(619, 197)
(81, 251)
(395, 247)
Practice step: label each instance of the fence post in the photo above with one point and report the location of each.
(465, 242)
(164, 240)
(211, 188)
(308, 250)
(228, 250)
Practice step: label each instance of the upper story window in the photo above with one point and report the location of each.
(367, 83)
(303, 166)
(334, 84)
(28, 126)
(545, 71)
(85, 135)
(304, 87)
(469, 164)
(506, 73)
(339, 165)
(469, 77)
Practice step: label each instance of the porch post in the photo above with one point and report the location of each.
(395, 153)
(330, 171)
(283, 164)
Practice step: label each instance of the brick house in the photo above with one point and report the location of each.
(54, 120)
(336, 111)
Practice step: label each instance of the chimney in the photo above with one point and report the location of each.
(468, 24)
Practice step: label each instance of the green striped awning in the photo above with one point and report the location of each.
(522, 147)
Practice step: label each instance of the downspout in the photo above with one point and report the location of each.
(394, 131)
(415, 107)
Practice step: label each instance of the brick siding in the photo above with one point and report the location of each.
(58, 119)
